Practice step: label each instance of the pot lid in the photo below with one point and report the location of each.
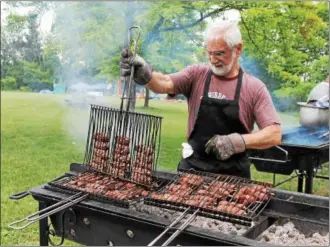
(321, 90)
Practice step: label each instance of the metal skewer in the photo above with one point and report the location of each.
(184, 226)
(169, 227)
(178, 231)
(32, 218)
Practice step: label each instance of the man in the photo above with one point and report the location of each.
(223, 104)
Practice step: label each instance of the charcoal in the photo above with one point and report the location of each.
(206, 223)
(288, 234)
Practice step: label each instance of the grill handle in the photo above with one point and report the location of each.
(19, 195)
(274, 160)
(132, 46)
(61, 205)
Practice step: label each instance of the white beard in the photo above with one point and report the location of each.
(222, 71)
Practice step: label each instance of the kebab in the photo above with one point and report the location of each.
(251, 194)
(142, 167)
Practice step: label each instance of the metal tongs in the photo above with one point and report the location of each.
(53, 209)
(184, 225)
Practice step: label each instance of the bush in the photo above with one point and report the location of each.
(8, 83)
(25, 89)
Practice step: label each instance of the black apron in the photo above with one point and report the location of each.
(216, 117)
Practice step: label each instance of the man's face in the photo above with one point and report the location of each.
(221, 57)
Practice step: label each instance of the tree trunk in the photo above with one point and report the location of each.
(146, 99)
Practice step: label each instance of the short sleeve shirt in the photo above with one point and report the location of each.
(255, 102)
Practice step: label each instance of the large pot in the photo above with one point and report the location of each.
(313, 116)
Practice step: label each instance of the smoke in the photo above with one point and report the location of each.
(75, 123)
(286, 107)
(90, 35)
(306, 136)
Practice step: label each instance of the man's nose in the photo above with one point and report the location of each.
(213, 59)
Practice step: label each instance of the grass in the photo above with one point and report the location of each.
(35, 149)
(40, 137)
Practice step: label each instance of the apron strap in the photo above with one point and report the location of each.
(239, 84)
(207, 84)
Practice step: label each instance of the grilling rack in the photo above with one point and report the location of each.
(122, 143)
(62, 186)
(201, 180)
(78, 195)
(130, 154)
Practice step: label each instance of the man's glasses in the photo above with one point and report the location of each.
(217, 54)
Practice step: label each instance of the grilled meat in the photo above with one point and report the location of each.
(101, 145)
(100, 136)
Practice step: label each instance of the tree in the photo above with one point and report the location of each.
(22, 65)
(290, 38)
(32, 51)
(285, 43)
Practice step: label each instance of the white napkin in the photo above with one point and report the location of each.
(187, 150)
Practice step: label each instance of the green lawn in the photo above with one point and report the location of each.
(40, 137)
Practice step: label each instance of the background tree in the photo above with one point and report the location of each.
(285, 43)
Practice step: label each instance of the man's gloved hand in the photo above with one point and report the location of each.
(225, 146)
(142, 72)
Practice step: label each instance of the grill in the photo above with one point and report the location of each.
(110, 224)
(302, 150)
(226, 198)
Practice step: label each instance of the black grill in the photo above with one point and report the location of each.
(302, 150)
(113, 225)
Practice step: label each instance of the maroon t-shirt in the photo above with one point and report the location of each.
(255, 103)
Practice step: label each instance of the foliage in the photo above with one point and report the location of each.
(291, 39)
(22, 55)
(285, 43)
(8, 83)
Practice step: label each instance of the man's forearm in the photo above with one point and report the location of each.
(265, 138)
(160, 83)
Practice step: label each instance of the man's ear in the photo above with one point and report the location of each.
(239, 49)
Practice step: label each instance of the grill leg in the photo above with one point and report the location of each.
(43, 227)
(309, 178)
(300, 180)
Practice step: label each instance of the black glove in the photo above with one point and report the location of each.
(142, 72)
(225, 146)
